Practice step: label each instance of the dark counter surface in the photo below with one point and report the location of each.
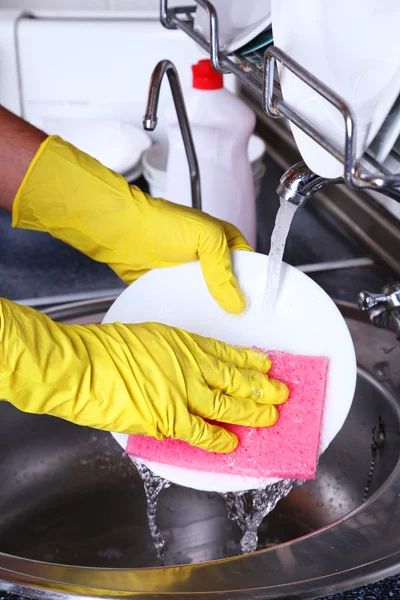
(33, 264)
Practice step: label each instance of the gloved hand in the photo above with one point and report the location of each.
(146, 379)
(76, 199)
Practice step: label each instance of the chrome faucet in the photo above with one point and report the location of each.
(383, 308)
(150, 120)
(299, 183)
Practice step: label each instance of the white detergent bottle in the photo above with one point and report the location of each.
(221, 127)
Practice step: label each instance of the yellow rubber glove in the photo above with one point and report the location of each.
(76, 199)
(140, 379)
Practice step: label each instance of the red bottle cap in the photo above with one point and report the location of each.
(205, 77)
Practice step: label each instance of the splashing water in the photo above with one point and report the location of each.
(283, 221)
(153, 486)
(249, 509)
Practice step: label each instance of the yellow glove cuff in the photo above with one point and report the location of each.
(76, 199)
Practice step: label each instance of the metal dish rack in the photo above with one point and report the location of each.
(365, 173)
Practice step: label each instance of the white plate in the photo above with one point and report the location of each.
(306, 321)
(238, 23)
(354, 48)
(118, 146)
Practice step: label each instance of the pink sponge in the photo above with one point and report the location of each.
(289, 449)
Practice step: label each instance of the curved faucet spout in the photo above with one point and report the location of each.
(150, 120)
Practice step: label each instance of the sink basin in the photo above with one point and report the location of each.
(69, 496)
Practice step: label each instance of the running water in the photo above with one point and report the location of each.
(283, 221)
(153, 486)
(247, 509)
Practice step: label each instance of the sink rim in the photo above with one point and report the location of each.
(268, 570)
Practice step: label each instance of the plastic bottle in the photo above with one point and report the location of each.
(221, 126)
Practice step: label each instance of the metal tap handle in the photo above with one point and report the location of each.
(150, 120)
(367, 300)
(383, 308)
(390, 297)
(392, 291)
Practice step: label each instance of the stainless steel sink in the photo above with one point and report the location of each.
(70, 497)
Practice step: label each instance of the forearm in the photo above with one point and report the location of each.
(76, 199)
(19, 142)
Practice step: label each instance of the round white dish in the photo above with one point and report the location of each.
(238, 24)
(354, 48)
(306, 321)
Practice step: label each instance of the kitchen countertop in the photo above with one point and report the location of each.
(35, 265)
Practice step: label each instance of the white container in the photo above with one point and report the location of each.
(221, 127)
(154, 166)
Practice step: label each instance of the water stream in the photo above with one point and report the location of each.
(153, 486)
(247, 509)
(283, 221)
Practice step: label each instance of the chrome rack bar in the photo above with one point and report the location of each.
(365, 173)
(220, 61)
(276, 107)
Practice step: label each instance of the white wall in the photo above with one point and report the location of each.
(64, 69)
(112, 5)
